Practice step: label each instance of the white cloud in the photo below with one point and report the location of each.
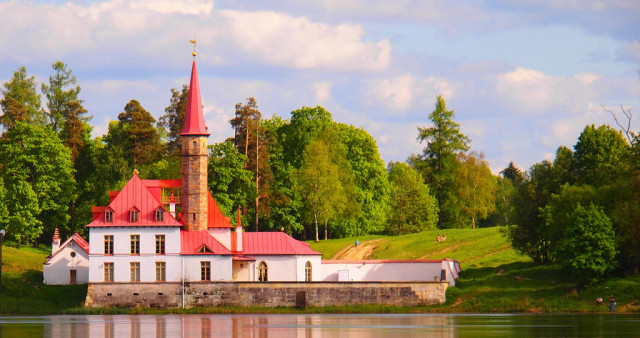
(402, 93)
(532, 92)
(288, 41)
(322, 91)
(193, 7)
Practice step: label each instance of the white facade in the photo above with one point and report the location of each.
(60, 267)
(286, 268)
(386, 271)
(122, 257)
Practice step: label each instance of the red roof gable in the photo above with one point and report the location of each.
(194, 117)
(216, 218)
(191, 241)
(274, 243)
(135, 195)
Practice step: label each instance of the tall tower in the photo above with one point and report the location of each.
(194, 160)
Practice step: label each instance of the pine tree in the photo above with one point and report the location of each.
(20, 101)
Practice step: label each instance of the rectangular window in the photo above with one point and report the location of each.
(205, 270)
(108, 272)
(135, 244)
(159, 215)
(108, 216)
(135, 271)
(108, 244)
(133, 216)
(159, 244)
(161, 271)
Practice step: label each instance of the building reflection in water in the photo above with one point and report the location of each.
(252, 326)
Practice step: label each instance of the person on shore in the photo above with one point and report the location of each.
(612, 304)
(599, 300)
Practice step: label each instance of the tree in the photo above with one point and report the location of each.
(319, 182)
(513, 173)
(58, 99)
(413, 209)
(444, 142)
(142, 138)
(229, 182)
(38, 175)
(600, 155)
(20, 101)
(476, 187)
(74, 130)
(173, 119)
(588, 246)
(252, 140)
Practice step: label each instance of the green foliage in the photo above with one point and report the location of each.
(413, 209)
(140, 138)
(444, 142)
(173, 119)
(229, 182)
(319, 182)
(38, 175)
(59, 99)
(600, 155)
(588, 245)
(20, 101)
(476, 188)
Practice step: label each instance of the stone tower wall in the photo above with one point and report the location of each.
(194, 182)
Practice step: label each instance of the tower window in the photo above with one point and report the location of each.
(193, 217)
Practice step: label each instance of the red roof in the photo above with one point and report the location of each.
(135, 196)
(216, 218)
(194, 117)
(274, 243)
(192, 241)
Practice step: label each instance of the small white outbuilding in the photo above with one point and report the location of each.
(69, 262)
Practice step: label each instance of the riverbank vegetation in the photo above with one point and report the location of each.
(495, 279)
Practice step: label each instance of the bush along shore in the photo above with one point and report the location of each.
(495, 279)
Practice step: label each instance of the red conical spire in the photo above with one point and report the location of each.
(194, 118)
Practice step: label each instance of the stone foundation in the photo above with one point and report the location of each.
(265, 294)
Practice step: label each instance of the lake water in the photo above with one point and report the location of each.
(323, 325)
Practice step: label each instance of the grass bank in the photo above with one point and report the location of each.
(494, 279)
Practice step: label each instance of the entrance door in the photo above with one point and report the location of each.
(73, 276)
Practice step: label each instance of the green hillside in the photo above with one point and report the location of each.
(494, 277)
(22, 289)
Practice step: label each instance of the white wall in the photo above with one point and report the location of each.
(122, 253)
(365, 271)
(56, 270)
(283, 268)
(223, 235)
(220, 267)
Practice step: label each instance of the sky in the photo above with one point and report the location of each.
(522, 76)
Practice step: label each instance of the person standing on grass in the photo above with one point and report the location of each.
(357, 243)
(612, 304)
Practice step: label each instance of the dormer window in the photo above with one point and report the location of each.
(160, 215)
(204, 249)
(108, 216)
(134, 215)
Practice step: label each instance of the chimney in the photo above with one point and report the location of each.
(239, 233)
(55, 245)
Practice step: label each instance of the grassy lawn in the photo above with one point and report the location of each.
(22, 289)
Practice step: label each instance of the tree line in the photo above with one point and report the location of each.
(309, 175)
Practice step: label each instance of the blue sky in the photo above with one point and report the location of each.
(522, 76)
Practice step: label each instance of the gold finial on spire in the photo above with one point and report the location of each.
(135, 172)
(194, 46)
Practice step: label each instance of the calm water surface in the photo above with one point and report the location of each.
(323, 325)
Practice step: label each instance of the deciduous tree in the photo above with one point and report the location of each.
(413, 209)
(475, 186)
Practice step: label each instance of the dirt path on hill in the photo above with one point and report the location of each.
(363, 251)
(442, 251)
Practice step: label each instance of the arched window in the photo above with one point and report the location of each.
(307, 272)
(262, 272)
